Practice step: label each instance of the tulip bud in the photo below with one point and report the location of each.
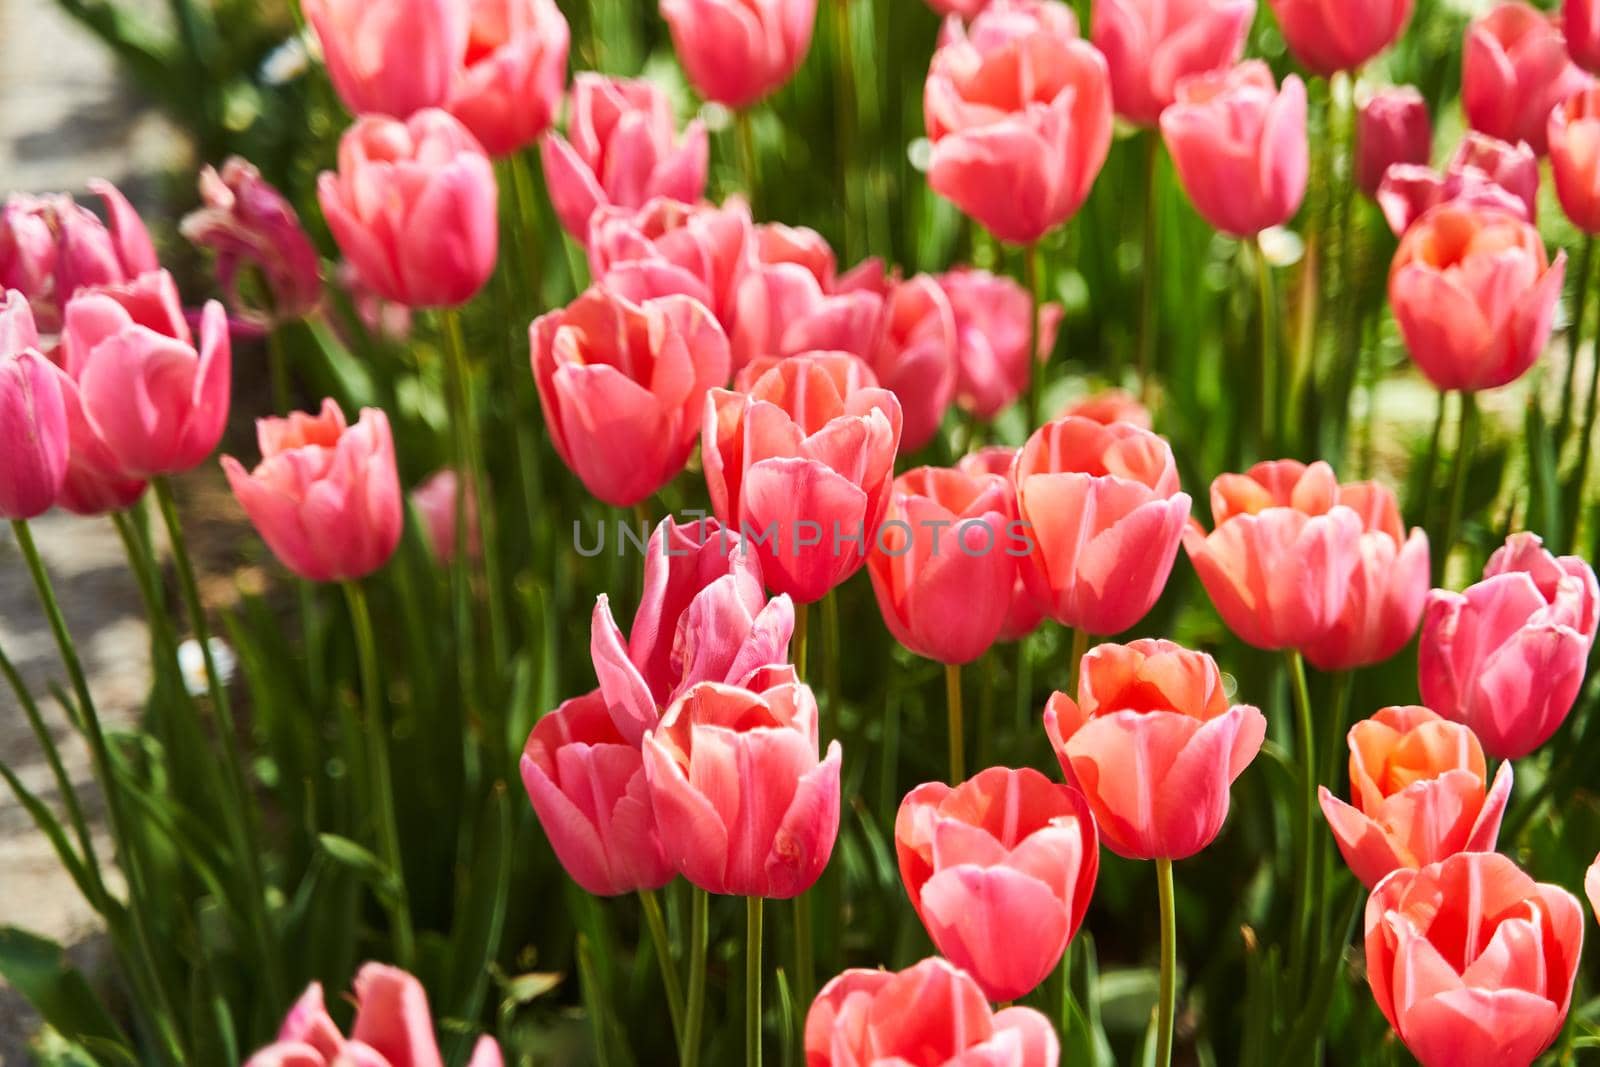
(1150, 46)
(33, 417)
(390, 57)
(1514, 70)
(1392, 127)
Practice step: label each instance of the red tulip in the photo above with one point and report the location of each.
(1152, 45)
(1109, 406)
(1019, 113)
(1417, 794)
(738, 51)
(510, 88)
(1472, 961)
(670, 247)
(1580, 25)
(1575, 157)
(1000, 869)
(391, 57)
(1105, 515)
(930, 1013)
(1025, 613)
(435, 501)
(1513, 71)
(33, 417)
(1328, 36)
(992, 333)
(743, 804)
(1392, 127)
(1154, 746)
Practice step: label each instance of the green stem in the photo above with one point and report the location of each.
(1166, 997)
(1150, 280)
(1303, 813)
(802, 624)
(747, 155)
(669, 970)
(695, 1006)
(805, 968)
(952, 693)
(1267, 354)
(752, 981)
(523, 228)
(1429, 476)
(1036, 368)
(1080, 648)
(1580, 294)
(830, 650)
(1466, 442)
(278, 369)
(1025, 682)
(845, 93)
(1585, 444)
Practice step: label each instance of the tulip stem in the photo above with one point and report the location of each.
(845, 103)
(745, 134)
(1580, 295)
(1308, 802)
(1080, 648)
(1030, 269)
(1466, 443)
(1149, 279)
(805, 969)
(669, 969)
(752, 981)
(952, 693)
(699, 921)
(1585, 443)
(802, 625)
(1166, 997)
(1268, 356)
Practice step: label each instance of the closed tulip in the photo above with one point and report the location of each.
(1575, 157)
(1513, 71)
(1109, 406)
(435, 501)
(33, 417)
(736, 52)
(1025, 613)
(509, 88)
(670, 247)
(1580, 25)
(1019, 113)
(993, 366)
(1152, 45)
(623, 387)
(1391, 127)
(1000, 869)
(1278, 565)
(1153, 744)
(1472, 961)
(801, 463)
(1418, 792)
(325, 496)
(1512, 167)
(1507, 657)
(914, 356)
(743, 804)
(51, 246)
(391, 57)
(1327, 37)
(413, 207)
(1474, 296)
(587, 785)
(784, 307)
(1408, 191)
(1105, 515)
(622, 148)
(1239, 145)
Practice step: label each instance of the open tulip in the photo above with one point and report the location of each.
(1580, 25)
(1485, 173)
(1514, 70)
(1153, 744)
(1507, 657)
(1102, 506)
(1418, 792)
(1575, 157)
(413, 207)
(1000, 869)
(743, 804)
(1512, 167)
(736, 52)
(1019, 113)
(435, 501)
(1109, 406)
(1327, 36)
(670, 247)
(390, 57)
(325, 496)
(33, 417)
(587, 785)
(509, 88)
(1025, 613)
(623, 387)
(1152, 45)
(783, 307)
(1392, 127)
(992, 334)
(1472, 961)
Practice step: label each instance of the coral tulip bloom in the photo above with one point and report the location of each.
(623, 387)
(931, 1013)
(1000, 869)
(1103, 509)
(1019, 113)
(1025, 613)
(1580, 25)
(1109, 406)
(669, 247)
(1392, 127)
(743, 804)
(509, 90)
(1507, 657)
(1513, 71)
(1418, 793)
(325, 496)
(1575, 157)
(1472, 961)
(1328, 36)
(1154, 746)
(587, 785)
(435, 501)
(33, 417)
(1152, 45)
(390, 57)
(1486, 173)
(735, 52)
(1239, 145)
(991, 312)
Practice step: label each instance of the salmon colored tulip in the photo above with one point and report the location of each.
(1418, 792)
(736, 52)
(33, 417)
(743, 804)
(325, 496)
(413, 206)
(1387, 587)
(1575, 157)
(1513, 71)
(1580, 25)
(623, 387)
(1019, 113)
(1239, 145)
(435, 501)
(1103, 510)
(670, 247)
(587, 785)
(1392, 127)
(1000, 870)
(1109, 406)
(1327, 36)
(915, 356)
(783, 306)
(1152, 45)
(930, 1013)
(1507, 657)
(801, 463)
(391, 57)
(1278, 565)
(510, 87)
(624, 150)
(1512, 167)
(992, 334)
(1472, 961)
(1153, 744)
(943, 565)
(1025, 613)
(1408, 191)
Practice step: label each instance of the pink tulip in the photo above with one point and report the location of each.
(1472, 961)
(1575, 157)
(1513, 71)
(325, 496)
(992, 334)
(1152, 45)
(1580, 25)
(393, 1028)
(249, 224)
(801, 463)
(624, 151)
(383, 319)
(736, 52)
(1105, 515)
(1024, 613)
(1000, 870)
(1327, 36)
(743, 804)
(669, 247)
(1485, 172)
(390, 57)
(1417, 794)
(1512, 167)
(413, 207)
(788, 301)
(915, 356)
(930, 1013)
(1109, 406)
(1387, 588)
(510, 88)
(587, 785)
(1239, 145)
(1392, 127)
(1153, 744)
(1474, 296)
(623, 387)
(1507, 657)
(435, 501)
(1019, 113)
(33, 417)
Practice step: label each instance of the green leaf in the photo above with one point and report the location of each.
(1544, 501)
(366, 865)
(39, 970)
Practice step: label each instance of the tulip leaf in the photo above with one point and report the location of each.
(372, 870)
(1544, 494)
(37, 967)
